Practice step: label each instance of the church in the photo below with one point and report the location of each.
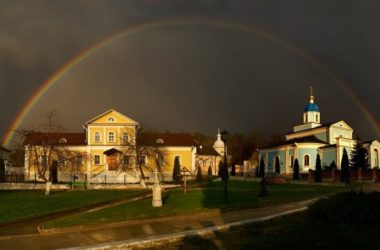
(312, 138)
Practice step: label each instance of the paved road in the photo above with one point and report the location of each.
(133, 230)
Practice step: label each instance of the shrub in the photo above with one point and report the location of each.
(176, 170)
(318, 169)
(296, 170)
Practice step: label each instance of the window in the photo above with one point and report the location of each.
(376, 154)
(97, 137)
(316, 118)
(291, 160)
(42, 160)
(111, 136)
(211, 163)
(125, 137)
(126, 160)
(97, 160)
(160, 160)
(62, 141)
(111, 119)
(79, 160)
(143, 160)
(61, 160)
(306, 160)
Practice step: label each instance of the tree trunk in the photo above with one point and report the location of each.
(142, 177)
(48, 186)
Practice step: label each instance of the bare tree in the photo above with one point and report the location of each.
(47, 149)
(143, 153)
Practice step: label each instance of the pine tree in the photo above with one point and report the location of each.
(209, 172)
(220, 167)
(333, 165)
(277, 166)
(262, 168)
(176, 170)
(359, 156)
(199, 174)
(233, 170)
(296, 170)
(345, 171)
(318, 169)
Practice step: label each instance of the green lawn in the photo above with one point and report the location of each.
(23, 204)
(210, 196)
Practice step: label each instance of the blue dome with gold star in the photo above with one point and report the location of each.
(311, 107)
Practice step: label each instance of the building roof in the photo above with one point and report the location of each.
(306, 139)
(170, 139)
(4, 149)
(311, 107)
(38, 138)
(207, 151)
(325, 125)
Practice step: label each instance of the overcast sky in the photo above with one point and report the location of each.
(198, 68)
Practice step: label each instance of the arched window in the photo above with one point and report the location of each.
(111, 119)
(306, 160)
(125, 137)
(111, 136)
(97, 137)
(376, 155)
(291, 160)
(316, 118)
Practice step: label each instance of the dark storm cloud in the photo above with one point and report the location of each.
(38, 37)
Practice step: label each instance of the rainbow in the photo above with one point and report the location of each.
(87, 53)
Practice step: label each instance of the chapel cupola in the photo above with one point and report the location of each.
(311, 113)
(219, 144)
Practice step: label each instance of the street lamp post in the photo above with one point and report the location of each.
(225, 165)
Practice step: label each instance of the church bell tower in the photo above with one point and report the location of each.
(311, 113)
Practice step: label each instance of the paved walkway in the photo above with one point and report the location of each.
(112, 235)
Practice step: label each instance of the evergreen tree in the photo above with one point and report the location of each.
(345, 171)
(296, 170)
(359, 156)
(333, 165)
(209, 172)
(277, 165)
(318, 169)
(176, 170)
(233, 170)
(199, 174)
(220, 167)
(262, 168)
(2, 171)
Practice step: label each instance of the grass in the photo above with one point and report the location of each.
(307, 230)
(16, 205)
(210, 196)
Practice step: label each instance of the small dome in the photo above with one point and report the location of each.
(218, 144)
(311, 107)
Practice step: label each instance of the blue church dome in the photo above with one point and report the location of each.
(311, 107)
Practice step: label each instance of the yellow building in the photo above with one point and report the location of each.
(111, 147)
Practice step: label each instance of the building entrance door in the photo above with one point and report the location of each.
(112, 161)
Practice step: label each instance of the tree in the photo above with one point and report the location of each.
(318, 170)
(209, 172)
(143, 154)
(333, 165)
(296, 170)
(177, 170)
(199, 174)
(233, 170)
(44, 145)
(345, 168)
(220, 167)
(277, 165)
(359, 156)
(262, 167)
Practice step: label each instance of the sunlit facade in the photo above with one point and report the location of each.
(312, 138)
